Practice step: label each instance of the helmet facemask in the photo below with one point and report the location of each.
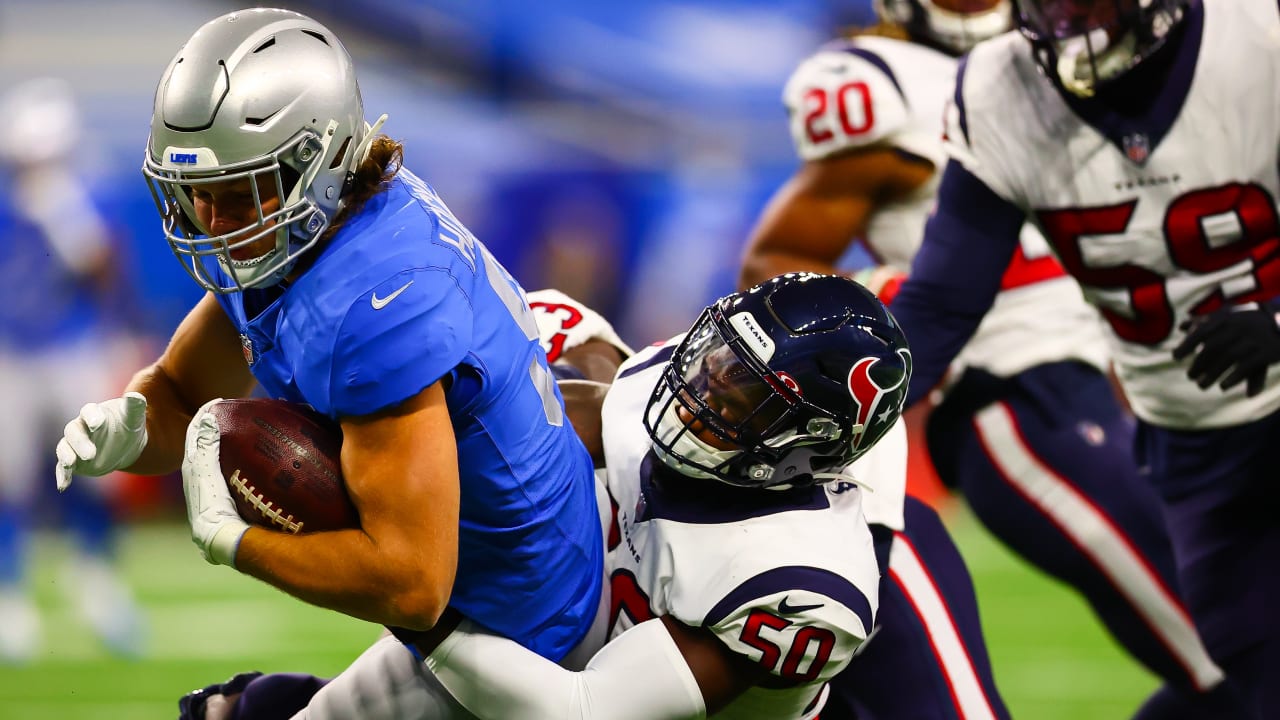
(297, 223)
(719, 412)
(1085, 45)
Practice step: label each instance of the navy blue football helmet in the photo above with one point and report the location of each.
(1087, 43)
(782, 384)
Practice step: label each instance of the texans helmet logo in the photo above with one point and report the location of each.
(867, 393)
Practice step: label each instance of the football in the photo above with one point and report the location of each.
(281, 461)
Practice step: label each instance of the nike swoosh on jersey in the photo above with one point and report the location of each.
(786, 609)
(379, 303)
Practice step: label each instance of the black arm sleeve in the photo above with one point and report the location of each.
(968, 243)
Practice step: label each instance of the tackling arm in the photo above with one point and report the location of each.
(658, 670)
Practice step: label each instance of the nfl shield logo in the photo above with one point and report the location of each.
(1137, 148)
(247, 346)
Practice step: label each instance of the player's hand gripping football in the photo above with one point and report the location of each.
(1236, 343)
(216, 527)
(105, 436)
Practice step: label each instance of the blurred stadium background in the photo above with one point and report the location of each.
(617, 151)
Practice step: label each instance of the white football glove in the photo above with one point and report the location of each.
(216, 527)
(565, 323)
(105, 436)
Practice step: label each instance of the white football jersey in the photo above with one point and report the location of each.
(788, 580)
(875, 91)
(1160, 218)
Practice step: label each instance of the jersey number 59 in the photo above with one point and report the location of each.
(1151, 319)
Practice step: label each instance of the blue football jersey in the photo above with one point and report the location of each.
(404, 296)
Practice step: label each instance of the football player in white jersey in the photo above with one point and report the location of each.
(925, 588)
(753, 599)
(743, 574)
(1028, 426)
(1141, 138)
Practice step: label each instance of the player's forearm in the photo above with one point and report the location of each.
(385, 582)
(167, 421)
(639, 676)
(203, 361)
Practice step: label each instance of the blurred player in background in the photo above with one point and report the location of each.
(338, 278)
(1028, 426)
(1128, 133)
(59, 343)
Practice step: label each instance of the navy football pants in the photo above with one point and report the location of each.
(1046, 461)
(927, 659)
(1221, 492)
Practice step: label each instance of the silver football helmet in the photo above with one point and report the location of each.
(266, 95)
(953, 26)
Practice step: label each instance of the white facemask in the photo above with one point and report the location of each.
(683, 443)
(259, 271)
(1086, 60)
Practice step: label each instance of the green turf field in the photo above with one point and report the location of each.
(1051, 659)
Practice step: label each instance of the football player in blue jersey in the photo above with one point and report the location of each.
(1126, 132)
(743, 573)
(338, 278)
(773, 548)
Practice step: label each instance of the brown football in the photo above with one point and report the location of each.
(281, 461)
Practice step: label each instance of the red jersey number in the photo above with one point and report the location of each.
(854, 113)
(1150, 320)
(761, 624)
(627, 597)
